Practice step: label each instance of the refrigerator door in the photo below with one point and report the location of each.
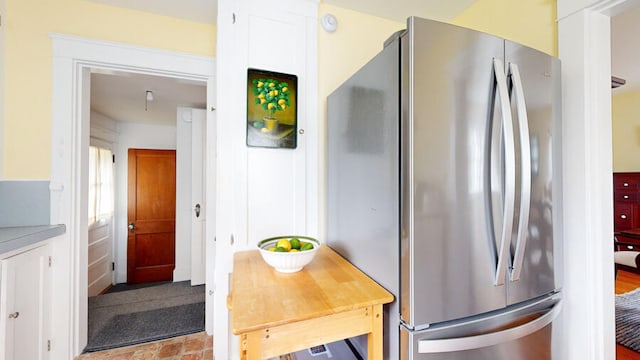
(518, 333)
(535, 98)
(363, 178)
(451, 195)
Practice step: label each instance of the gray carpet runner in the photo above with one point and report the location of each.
(136, 316)
(628, 319)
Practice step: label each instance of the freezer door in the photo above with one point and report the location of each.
(451, 188)
(523, 333)
(535, 98)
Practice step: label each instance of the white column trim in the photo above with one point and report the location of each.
(588, 294)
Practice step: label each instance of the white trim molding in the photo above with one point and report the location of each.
(584, 47)
(73, 59)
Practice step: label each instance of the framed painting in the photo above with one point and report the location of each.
(271, 109)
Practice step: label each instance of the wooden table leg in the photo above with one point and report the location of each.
(374, 338)
(253, 346)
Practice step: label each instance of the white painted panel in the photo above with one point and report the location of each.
(198, 204)
(182, 271)
(25, 297)
(274, 193)
(98, 250)
(248, 206)
(276, 177)
(100, 256)
(103, 128)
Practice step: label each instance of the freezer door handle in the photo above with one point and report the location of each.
(484, 340)
(525, 171)
(509, 171)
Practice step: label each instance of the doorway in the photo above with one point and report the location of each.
(73, 60)
(140, 116)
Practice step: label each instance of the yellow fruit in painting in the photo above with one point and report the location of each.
(260, 83)
(262, 101)
(270, 106)
(264, 129)
(284, 243)
(272, 84)
(283, 106)
(284, 89)
(275, 92)
(281, 102)
(261, 96)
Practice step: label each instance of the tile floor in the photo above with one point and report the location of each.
(197, 346)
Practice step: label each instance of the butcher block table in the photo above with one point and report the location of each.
(328, 300)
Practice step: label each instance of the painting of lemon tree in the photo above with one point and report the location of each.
(271, 109)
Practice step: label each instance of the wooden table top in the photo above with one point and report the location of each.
(261, 297)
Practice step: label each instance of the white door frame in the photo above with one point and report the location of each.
(73, 56)
(585, 51)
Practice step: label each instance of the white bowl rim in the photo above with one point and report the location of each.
(316, 242)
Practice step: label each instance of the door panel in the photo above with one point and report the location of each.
(151, 215)
(99, 256)
(539, 75)
(25, 298)
(198, 195)
(448, 246)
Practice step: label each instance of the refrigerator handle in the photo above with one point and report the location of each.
(490, 339)
(509, 172)
(525, 168)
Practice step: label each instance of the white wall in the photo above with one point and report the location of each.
(3, 7)
(261, 192)
(138, 136)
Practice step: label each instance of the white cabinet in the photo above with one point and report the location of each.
(25, 305)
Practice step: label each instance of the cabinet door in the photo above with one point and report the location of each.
(24, 319)
(623, 216)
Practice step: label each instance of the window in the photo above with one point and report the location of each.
(100, 184)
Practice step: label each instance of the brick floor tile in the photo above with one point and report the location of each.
(192, 356)
(209, 343)
(196, 344)
(168, 350)
(207, 355)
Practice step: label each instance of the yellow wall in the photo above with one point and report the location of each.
(358, 38)
(26, 116)
(626, 131)
(528, 22)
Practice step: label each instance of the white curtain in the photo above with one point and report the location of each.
(100, 184)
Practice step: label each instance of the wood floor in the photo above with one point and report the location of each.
(626, 282)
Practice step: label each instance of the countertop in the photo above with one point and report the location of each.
(12, 238)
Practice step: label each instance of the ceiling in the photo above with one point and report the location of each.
(120, 95)
(625, 52)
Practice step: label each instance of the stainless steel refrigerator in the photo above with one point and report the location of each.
(444, 186)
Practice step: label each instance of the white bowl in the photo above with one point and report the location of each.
(288, 262)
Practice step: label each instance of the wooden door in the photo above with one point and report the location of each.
(151, 215)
